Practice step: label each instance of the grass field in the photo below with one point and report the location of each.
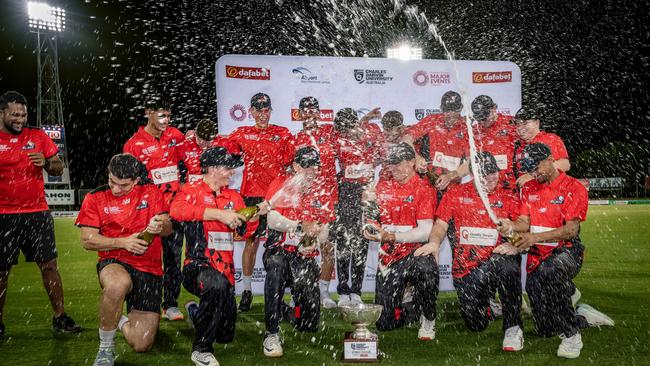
(614, 279)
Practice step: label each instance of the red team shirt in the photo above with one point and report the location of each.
(358, 158)
(267, 152)
(119, 217)
(553, 141)
(209, 242)
(190, 153)
(447, 147)
(400, 206)
(159, 156)
(476, 235)
(22, 189)
(322, 138)
(311, 206)
(499, 140)
(549, 206)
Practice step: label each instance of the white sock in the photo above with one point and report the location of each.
(107, 339)
(324, 287)
(247, 280)
(123, 320)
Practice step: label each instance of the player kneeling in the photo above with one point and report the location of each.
(206, 208)
(482, 262)
(406, 206)
(296, 227)
(113, 219)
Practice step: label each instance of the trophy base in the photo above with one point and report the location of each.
(359, 350)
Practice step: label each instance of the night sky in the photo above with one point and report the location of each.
(582, 61)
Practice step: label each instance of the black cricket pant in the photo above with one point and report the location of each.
(351, 246)
(549, 289)
(301, 274)
(422, 273)
(215, 320)
(172, 276)
(500, 273)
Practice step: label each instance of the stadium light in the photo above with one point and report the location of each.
(43, 17)
(404, 52)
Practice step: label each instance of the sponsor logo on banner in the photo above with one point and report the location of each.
(423, 112)
(54, 134)
(60, 197)
(306, 76)
(245, 72)
(238, 112)
(326, 115)
(372, 76)
(492, 77)
(423, 78)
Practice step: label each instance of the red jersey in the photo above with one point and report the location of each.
(553, 141)
(447, 146)
(158, 155)
(309, 206)
(119, 217)
(476, 235)
(208, 242)
(267, 152)
(499, 140)
(22, 189)
(322, 138)
(549, 206)
(190, 153)
(357, 158)
(400, 206)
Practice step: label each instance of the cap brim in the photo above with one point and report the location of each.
(528, 165)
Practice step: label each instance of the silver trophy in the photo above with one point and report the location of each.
(361, 344)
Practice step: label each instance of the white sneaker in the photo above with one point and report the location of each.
(496, 308)
(355, 300)
(594, 317)
(172, 314)
(105, 357)
(570, 346)
(344, 300)
(427, 331)
(575, 297)
(513, 340)
(273, 345)
(326, 301)
(204, 359)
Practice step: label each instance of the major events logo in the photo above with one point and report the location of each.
(435, 78)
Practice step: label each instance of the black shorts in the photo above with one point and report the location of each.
(146, 292)
(32, 233)
(261, 228)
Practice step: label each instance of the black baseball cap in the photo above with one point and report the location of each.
(399, 153)
(525, 114)
(345, 118)
(451, 102)
(219, 156)
(392, 119)
(533, 154)
(487, 162)
(481, 107)
(308, 102)
(206, 129)
(307, 157)
(260, 101)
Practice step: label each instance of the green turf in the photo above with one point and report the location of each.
(615, 279)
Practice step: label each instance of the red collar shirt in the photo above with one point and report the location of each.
(22, 189)
(190, 153)
(400, 207)
(553, 141)
(322, 138)
(499, 140)
(475, 234)
(550, 206)
(357, 158)
(447, 146)
(267, 152)
(119, 217)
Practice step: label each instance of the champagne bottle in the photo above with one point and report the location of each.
(248, 212)
(306, 241)
(146, 236)
(370, 216)
(513, 237)
(432, 176)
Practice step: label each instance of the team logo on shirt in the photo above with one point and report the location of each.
(251, 137)
(208, 200)
(112, 210)
(143, 204)
(275, 138)
(466, 200)
(503, 132)
(558, 200)
(4, 148)
(126, 201)
(460, 135)
(29, 146)
(408, 199)
(533, 197)
(172, 143)
(229, 206)
(150, 150)
(542, 209)
(497, 204)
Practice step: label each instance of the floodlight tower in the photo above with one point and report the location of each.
(47, 22)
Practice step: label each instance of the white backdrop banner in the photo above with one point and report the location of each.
(412, 87)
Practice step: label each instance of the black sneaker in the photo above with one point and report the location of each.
(246, 301)
(2, 331)
(65, 324)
